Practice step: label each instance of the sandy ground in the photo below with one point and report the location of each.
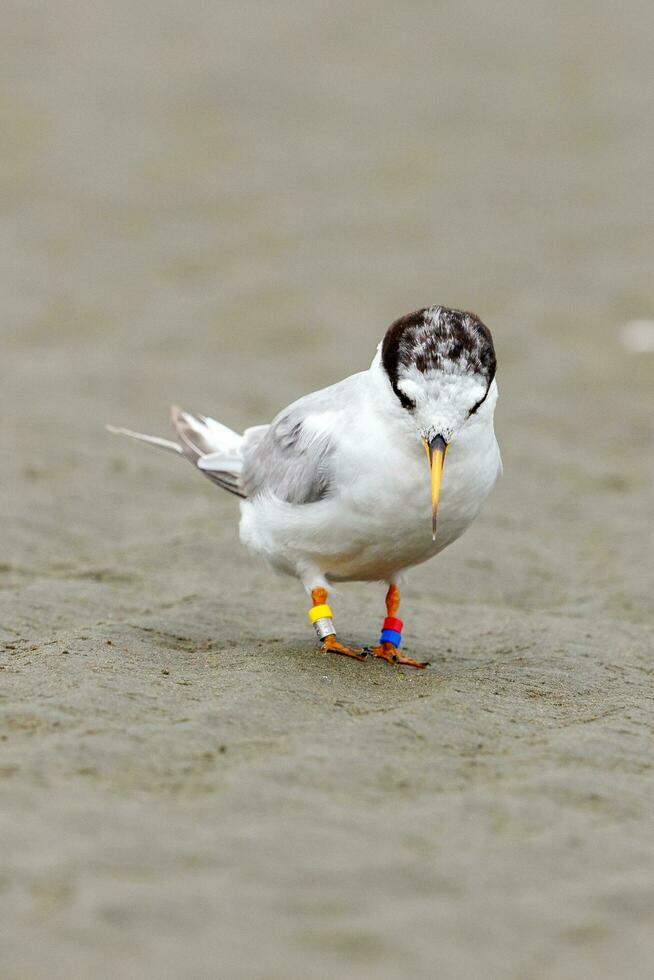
(223, 205)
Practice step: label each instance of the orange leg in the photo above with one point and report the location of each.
(319, 598)
(386, 650)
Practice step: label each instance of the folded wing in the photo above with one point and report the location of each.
(292, 457)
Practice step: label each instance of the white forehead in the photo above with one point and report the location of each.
(444, 386)
(443, 400)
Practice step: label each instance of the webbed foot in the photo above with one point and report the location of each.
(334, 646)
(390, 653)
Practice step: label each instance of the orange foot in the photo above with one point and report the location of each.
(331, 643)
(388, 652)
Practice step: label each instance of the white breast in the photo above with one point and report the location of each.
(378, 520)
(388, 507)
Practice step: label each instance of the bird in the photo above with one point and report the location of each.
(369, 477)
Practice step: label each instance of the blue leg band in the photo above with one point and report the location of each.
(391, 636)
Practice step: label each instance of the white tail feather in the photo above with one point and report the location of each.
(204, 435)
(221, 462)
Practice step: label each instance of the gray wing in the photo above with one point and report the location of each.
(291, 457)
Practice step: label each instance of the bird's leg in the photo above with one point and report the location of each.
(391, 634)
(321, 616)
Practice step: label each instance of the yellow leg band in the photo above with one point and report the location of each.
(320, 612)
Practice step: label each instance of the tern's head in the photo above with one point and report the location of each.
(441, 364)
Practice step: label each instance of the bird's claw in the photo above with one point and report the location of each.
(386, 651)
(334, 646)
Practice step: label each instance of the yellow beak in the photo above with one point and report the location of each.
(436, 451)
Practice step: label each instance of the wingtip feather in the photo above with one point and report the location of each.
(118, 430)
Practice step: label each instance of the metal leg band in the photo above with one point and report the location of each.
(324, 627)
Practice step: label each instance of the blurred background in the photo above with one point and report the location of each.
(223, 206)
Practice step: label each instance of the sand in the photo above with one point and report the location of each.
(223, 206)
